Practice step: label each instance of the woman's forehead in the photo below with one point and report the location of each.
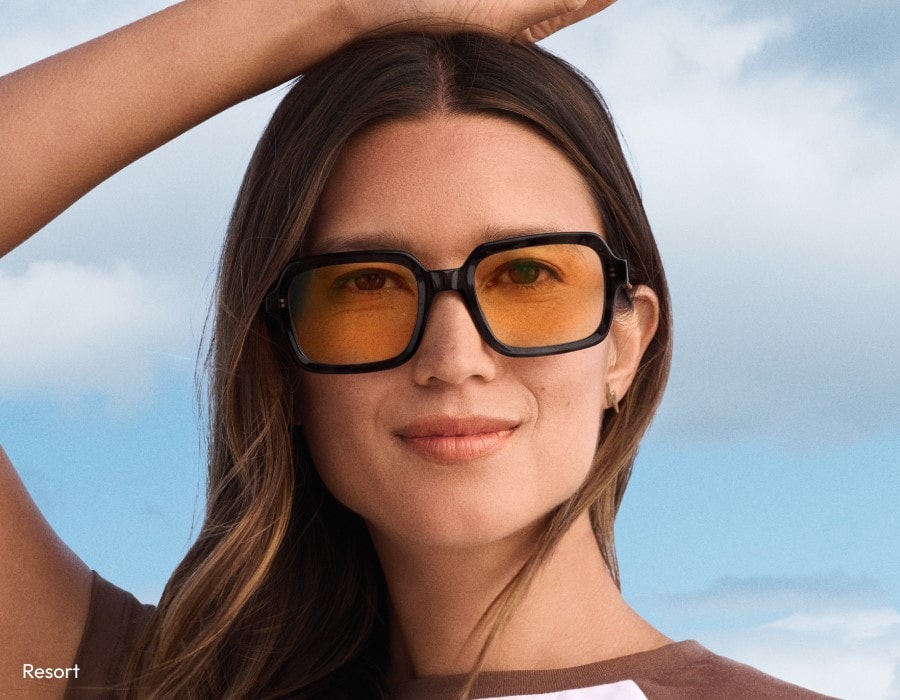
(450, 179)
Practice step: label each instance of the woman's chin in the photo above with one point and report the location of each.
(460, 527)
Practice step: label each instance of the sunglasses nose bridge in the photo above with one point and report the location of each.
(444, 280)
(450, 281)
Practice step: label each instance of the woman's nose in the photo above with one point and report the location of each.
(452, 350)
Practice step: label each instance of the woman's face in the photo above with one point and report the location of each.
(525, 428)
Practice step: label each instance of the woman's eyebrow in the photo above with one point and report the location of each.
(370, 240)
(389, 239)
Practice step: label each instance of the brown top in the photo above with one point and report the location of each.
(678, 671)
(114, 622)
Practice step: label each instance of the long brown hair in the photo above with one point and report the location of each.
(282, 593)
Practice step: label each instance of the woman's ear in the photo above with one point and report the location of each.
(630, 334)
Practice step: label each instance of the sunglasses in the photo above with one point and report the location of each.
(528, 296)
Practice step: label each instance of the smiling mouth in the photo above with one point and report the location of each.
(456, 439)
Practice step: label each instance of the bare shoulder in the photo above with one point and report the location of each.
(44, 593)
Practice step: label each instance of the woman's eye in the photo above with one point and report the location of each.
(370, 281)
(527, 272)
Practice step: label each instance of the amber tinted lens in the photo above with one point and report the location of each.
(354, 313)
(541, 295)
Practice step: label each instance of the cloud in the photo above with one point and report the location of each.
(853, 654)
(860, 39)
(771, 194)
(772, 595)
(893, 691)
(69, 329)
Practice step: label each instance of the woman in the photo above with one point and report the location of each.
(442, 328)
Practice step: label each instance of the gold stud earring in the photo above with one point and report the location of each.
(612, 399)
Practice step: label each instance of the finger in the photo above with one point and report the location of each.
(509, 17)
(527, 13)
(543, 29)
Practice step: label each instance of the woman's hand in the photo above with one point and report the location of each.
(544, 28)
(526, 20)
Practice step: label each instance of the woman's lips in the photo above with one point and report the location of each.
(456, 438)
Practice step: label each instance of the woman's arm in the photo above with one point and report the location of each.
(70, 121)
(44, 593)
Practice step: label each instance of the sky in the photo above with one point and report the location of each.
(762, 518)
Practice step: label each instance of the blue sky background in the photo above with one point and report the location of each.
(762, 518)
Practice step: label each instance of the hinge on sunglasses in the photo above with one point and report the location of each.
(273, 304)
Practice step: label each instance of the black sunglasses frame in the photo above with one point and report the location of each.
(461, 280)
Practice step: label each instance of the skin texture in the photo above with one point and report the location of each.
(449, 535)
